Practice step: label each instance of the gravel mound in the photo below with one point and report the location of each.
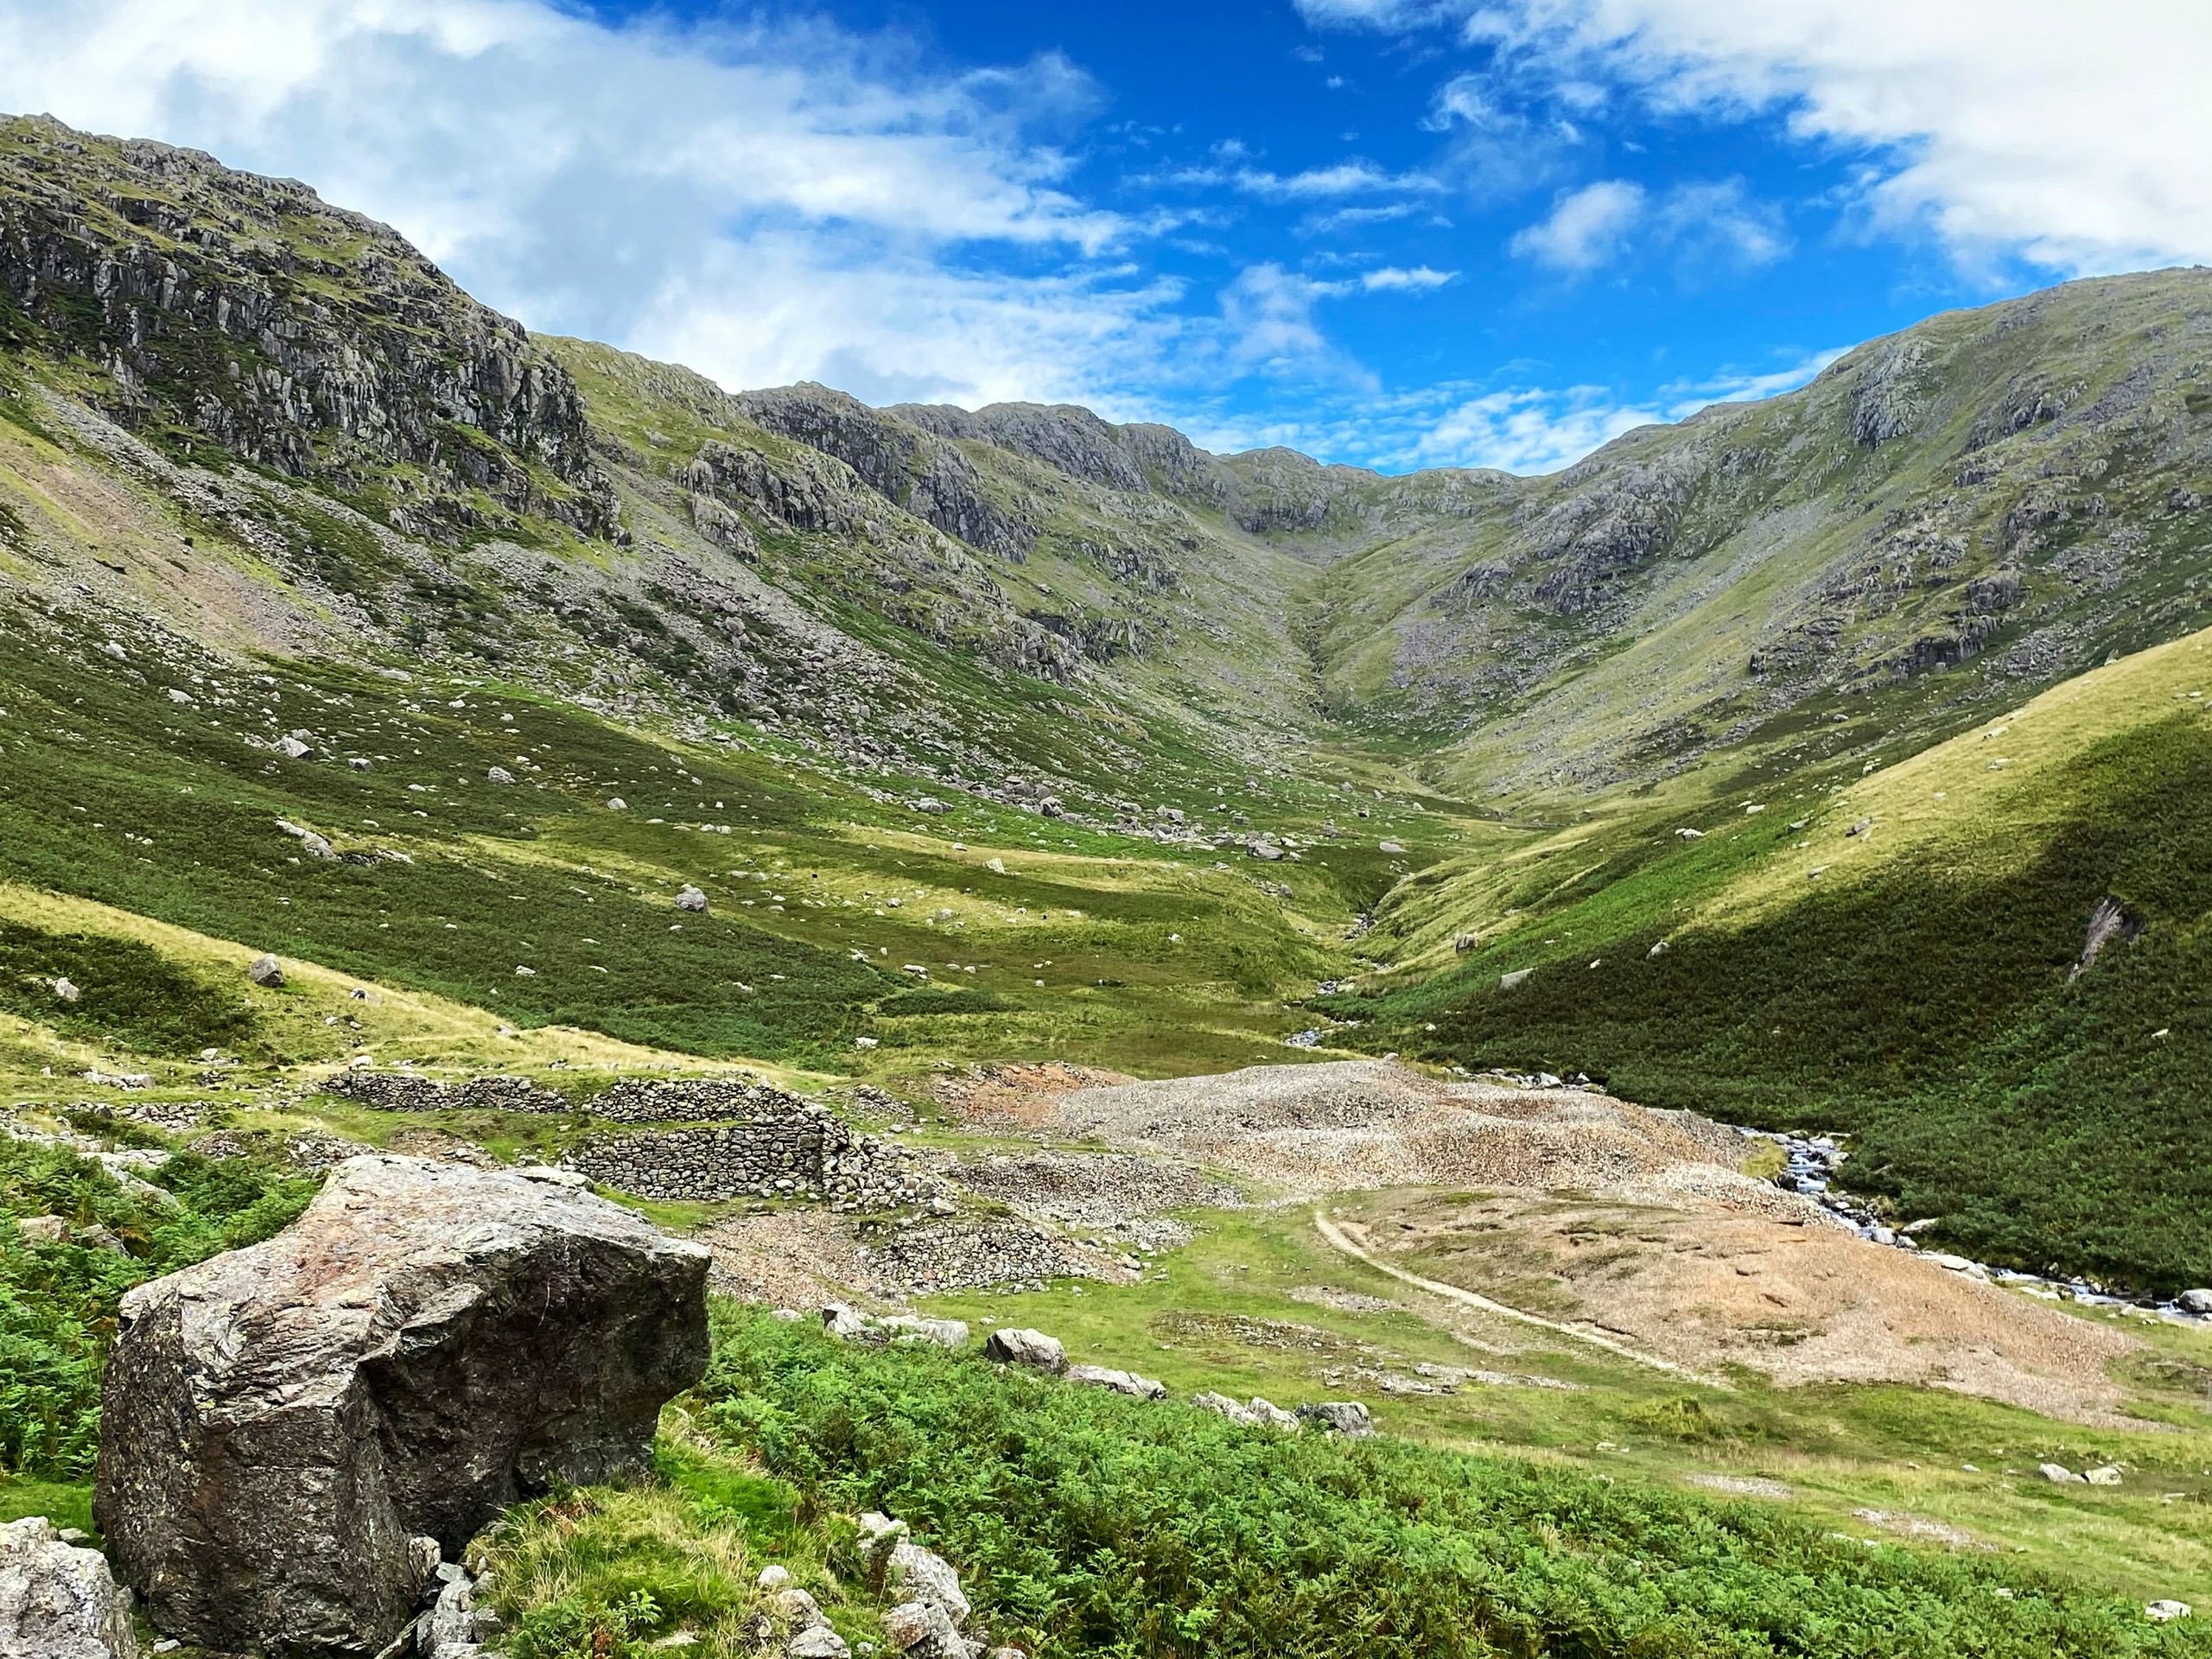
(1092, 1189)
(1353, 1124)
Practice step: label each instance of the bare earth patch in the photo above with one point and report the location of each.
(1707, 1287)
(1018, 1094)
(791, 1258)
(1635, 1227)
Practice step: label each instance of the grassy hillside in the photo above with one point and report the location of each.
(1892, 954)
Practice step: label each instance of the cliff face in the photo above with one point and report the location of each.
(198, 305)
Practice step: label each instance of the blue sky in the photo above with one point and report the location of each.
(1394, 232)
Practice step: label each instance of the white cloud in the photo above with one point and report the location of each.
(767, 202)
(1527, 429)
(1392, 279)
(2073, 135)
(1586, 228)
(1354, 178)
(1521, 429)
(1704, 227)
(1745, 386)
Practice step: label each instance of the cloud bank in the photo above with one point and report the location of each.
(2070, 134)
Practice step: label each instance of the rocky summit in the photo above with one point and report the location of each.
(294, 1435)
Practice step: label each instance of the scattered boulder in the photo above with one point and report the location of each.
(266, 972)
(499, 775)
(2164, 1612)
(43, 1230)
(1346, 1417)
(817, 1642)
(359, 763)
(774, 1577)
(1388, 847)
(850, 1325)
(2058, 1474)
(692, 899)
(995, 865)
(799, 1607)
(921, 1630)
(1463, 942)
(1507, 982)
(1259, 1413)
(58, 1601)
(294, 748)
(616, 804)
(1128, 1383)
(920, 1574)
(1221, 1405)
(1262, 849)
(2107, 1475)
(1031, 1348)
(65, 991)
(2195, 1301)
(294, 1434)
(1657, 950)
(2109, 921)
(879, 1536)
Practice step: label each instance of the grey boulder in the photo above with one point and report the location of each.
(919, 1574)
(293, 1436)
(1128, 1383)
(266, 971)
(2195, 1301)
(878, 1330)
(692, 900)
(1031, 1348)
(1346, 1417)
(921, 1630)
(58, 1601)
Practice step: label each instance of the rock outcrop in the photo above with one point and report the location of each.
(301, 336)
(57, 1600)
(295, 1435)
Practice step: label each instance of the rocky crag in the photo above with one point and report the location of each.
(1992, 500)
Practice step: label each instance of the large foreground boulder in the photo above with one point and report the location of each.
(293, 1436)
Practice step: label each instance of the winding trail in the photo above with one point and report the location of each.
(1340, 1240)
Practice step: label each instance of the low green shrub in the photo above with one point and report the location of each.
(58, 1301)
(1086, 1524)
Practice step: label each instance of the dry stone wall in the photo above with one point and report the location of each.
(751, 1139)
(808, 1154)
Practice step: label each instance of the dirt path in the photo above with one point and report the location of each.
(1338, 1238)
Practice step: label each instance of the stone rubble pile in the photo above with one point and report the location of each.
(980, 1254)
(929, 1611)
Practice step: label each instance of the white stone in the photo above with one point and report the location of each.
(58, 1601)
(923, 1575)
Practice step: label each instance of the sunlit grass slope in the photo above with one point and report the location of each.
(1893, 955)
